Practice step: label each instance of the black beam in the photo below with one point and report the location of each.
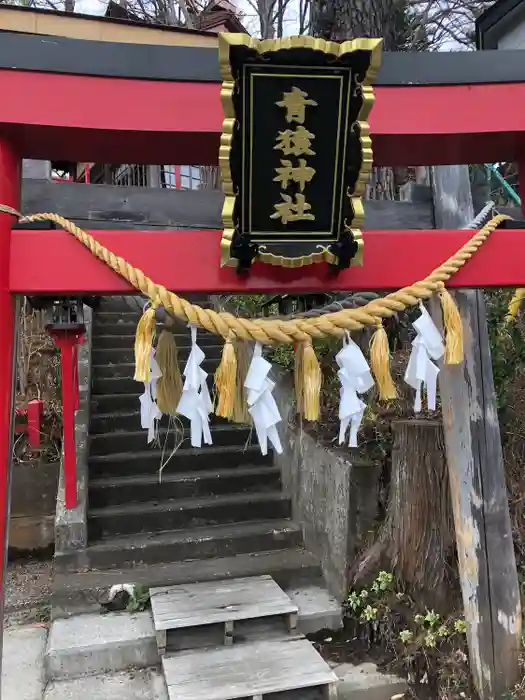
(52, 54)
(111, 207)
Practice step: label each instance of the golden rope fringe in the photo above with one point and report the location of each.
(241, 414)
(453, 329)
(272, 332)
(226, 380)
(380, 364)
(169, 386)
(268, 331)
(515, 305)
(308, 380)
(143, 344)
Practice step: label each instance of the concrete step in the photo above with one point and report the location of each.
(183, 545)
(129, 421)
(183, 460)
(126, 402)
(181, 514)
(116, 491)
(109, 443)
(91, 644)
(126, 339)
(290, 568)
(113, 403)
(115, 356)
(127, 370)
(118, 385)
(140, 684)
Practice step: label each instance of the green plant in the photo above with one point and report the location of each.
(424, 644)
(140, 599)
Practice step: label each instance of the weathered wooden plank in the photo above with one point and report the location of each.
(108, 206)
(192, 605)
(245, 670)
(477, 478)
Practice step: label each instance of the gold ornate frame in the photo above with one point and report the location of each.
(264, 46)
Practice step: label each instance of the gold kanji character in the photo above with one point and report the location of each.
(288, 210)
(295, 143)
(288, 173)
(295, 103)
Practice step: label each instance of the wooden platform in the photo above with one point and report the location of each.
(248, 671)
(219, 603)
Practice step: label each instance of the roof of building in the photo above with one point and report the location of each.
(496, 21)
(110, 19)
(218, 13)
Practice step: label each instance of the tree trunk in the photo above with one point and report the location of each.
(349, 19)
(417, 537)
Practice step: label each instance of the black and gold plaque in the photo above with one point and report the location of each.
(295, 151)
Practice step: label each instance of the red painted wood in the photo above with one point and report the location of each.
(35, 412)
(189, 261)
(181, 122)
(10, 165)
(67, 342)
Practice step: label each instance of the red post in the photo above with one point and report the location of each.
(35, 410)
(76, 396)
(67, 341)
(10, 173)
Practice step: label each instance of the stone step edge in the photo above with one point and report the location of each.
(118, 641)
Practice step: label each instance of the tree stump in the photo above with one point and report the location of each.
(417, 536)
(419, 530)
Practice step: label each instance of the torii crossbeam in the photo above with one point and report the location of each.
(90, 101)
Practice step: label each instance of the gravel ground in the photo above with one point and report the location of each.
(27, 592)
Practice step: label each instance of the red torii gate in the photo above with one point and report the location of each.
(69, 105)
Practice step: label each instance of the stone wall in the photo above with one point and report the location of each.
(33, 498)
(334, 497)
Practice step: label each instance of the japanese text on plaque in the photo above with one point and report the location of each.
(295, 142)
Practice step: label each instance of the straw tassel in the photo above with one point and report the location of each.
(169, 386)
(308, 380)
(241, 414)
(144, 344)
(380, 363)
(453, 329)
(226, 380)
(515, 305)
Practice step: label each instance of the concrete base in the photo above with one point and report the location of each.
(317, 609)
(23, 663)
(91, 644)
(146, 684)
(365, 682)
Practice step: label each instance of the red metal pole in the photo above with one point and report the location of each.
(10, 172)
(67, 340)
(35, 410)
(68, 421)
(76, 397)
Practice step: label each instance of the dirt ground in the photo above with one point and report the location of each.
(27, 592)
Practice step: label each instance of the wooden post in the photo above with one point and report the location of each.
(487, 565)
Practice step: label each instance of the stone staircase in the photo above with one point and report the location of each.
(218, 512)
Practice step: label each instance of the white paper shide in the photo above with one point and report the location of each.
(356, 378)
(195, 403)
(261, 404)
(421, 372)
(149, 411)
